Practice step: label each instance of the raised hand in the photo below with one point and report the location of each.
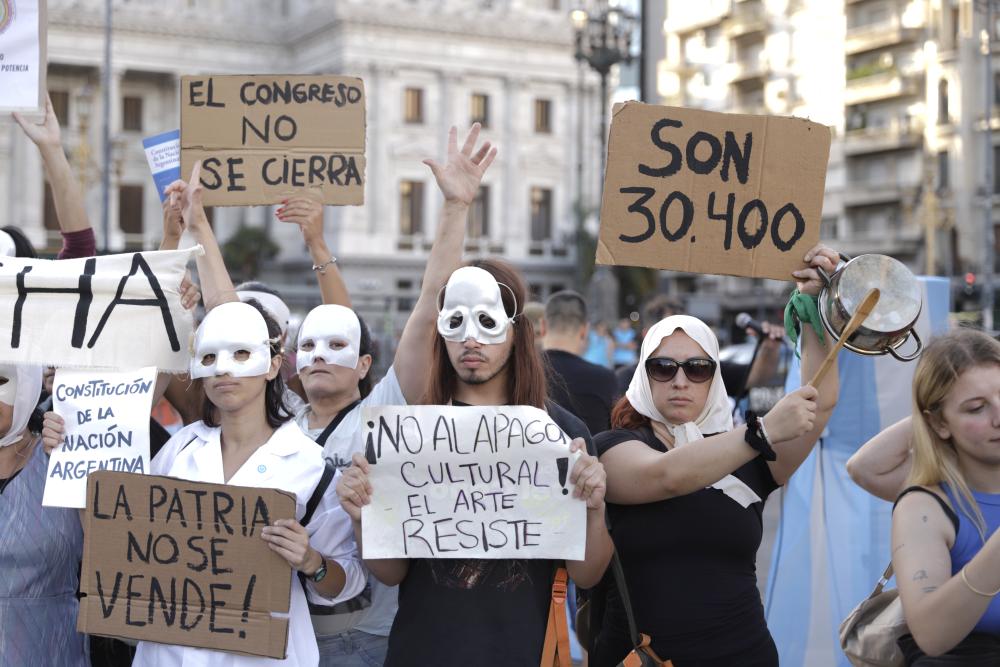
(459, 177)
(808, 281)
(187, 197)
(46, 133)
(793, 416)
(306, 211)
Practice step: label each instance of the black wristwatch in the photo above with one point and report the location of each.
(319, 574)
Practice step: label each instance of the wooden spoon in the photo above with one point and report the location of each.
(860, 315)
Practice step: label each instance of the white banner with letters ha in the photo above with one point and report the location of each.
(107, 428)
(470, 482)
(111, 312)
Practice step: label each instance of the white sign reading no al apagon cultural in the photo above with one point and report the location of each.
(470, 482)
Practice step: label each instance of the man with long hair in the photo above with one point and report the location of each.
(476, 611)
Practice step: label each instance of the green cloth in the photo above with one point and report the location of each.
(802, 308)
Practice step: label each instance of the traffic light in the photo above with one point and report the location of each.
(968, 299)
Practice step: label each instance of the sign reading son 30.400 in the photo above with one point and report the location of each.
(707, 192)
(261, 138)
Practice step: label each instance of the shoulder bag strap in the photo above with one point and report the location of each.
(332, 426)
(616, 567)
(886, 576)
(555, 650)
(317, 495)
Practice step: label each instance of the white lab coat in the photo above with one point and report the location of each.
(289, 461)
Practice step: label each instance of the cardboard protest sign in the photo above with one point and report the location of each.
(109, 312)
(178, 562)
(23, 62)
(707, 192)
(470, 482)
(262, 138)
(163, 153)
(107, 428)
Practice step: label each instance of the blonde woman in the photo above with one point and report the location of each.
(945, 554)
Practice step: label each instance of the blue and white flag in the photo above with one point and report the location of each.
(163, 152)
(833, 541)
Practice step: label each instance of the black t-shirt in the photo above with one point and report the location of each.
(585, 389)
(690, 564)
(487, 613)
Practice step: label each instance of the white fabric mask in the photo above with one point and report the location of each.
(24, 384)
(7, 247)
(232, 339)
(274, 306)
(715, 417)
(326, 325)
(473, 308)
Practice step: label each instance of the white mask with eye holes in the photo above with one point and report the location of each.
(331, 333)
(473, 308)
(232, 339)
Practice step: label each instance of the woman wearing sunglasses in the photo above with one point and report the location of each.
(686, 491)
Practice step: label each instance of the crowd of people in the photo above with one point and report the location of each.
(674, 486)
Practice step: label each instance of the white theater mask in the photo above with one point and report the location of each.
(331, 333)
(232, 339)
(473, 308)
(8, 390)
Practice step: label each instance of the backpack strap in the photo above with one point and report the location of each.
(335, 422)
(948, 511)
(555, 650)
(320, 491)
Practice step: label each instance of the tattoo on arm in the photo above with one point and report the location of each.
(897, 549)
(929, 589)
(920, 575)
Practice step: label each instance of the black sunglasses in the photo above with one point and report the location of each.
(664, 369)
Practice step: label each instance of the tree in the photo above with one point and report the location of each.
(247, 249)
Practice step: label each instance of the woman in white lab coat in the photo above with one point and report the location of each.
(247, 437)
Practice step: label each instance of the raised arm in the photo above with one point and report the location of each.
(792, 454)
(639, 475)
(941, 609)
(882, 464)
(66, 192)
(458, 179)
(306, 211)
(216, 285)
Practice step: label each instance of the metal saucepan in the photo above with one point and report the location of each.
(891, 322)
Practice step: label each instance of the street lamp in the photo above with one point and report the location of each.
(603, 39)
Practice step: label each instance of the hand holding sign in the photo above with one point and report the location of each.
(306, 211)
(459, 177)
(354, 488)
(53, 431)
(588, 476)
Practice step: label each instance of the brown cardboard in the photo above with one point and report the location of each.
(166, 508)
(786, 166)
(226, 119)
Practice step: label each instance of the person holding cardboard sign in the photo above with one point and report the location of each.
(686, 491)
(246, 437)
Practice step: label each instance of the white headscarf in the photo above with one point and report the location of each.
(29, 386)
(7, 247)
(716, 416)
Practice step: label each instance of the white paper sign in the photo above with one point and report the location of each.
(107, 428)
(470, 482)
(111, 312)
(22, 50)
